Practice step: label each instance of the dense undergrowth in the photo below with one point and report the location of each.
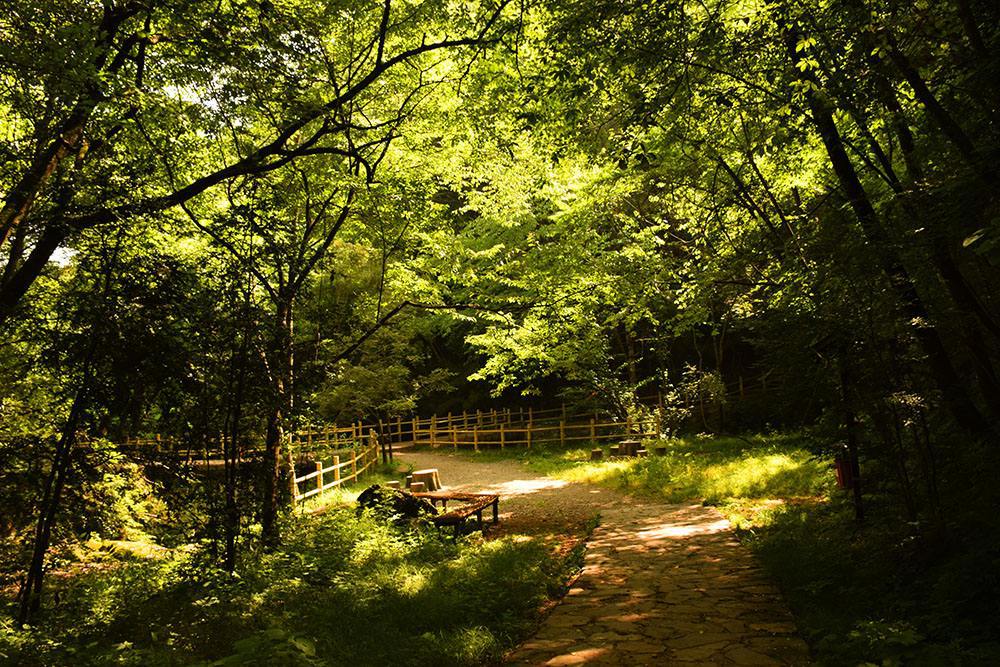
(885, 591)
(343, 590)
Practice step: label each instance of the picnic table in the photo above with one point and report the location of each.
(473, 504)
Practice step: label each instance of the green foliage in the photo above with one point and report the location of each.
(343, 589)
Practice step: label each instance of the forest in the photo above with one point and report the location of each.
(251, 245)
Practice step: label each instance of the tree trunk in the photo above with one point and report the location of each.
(953, 389)
(281, 373)
(852, 427)
(30, 595)
(949, 126)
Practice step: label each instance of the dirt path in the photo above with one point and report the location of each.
(530, 503)
(661, 584)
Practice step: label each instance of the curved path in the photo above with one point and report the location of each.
(661, 584)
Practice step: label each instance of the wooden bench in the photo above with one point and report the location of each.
(474, 504)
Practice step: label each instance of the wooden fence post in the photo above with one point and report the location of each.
(628, 425)
(503, 435)
(530, 426)
(413, 429)
(475, 439)
(479, 417)
(319, 476)
(354, 464)
(593, 430)
(454, 437)
(562, 431)
(336, 468)
(372, 450)
(564, 411)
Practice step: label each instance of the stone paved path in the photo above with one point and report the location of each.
(661, 584)
(667, 585)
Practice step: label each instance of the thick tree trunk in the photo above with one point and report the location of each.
(17, 284)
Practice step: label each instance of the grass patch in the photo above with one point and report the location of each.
(694, 469)
(343, 589)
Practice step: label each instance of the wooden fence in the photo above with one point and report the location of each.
(324, 478)
(494, 428)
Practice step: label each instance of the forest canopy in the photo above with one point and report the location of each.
(224, 220)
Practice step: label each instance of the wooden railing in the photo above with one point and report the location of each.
(530, 434)
(522, 426)
(323, 478)
(487, 428)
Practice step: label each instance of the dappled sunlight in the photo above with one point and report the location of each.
(521, 487)
(683, 529)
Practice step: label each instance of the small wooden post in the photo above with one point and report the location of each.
(449, 419)
(475, 439)
(413, 431)
(593, 430)
(319, 476)
(354, 464)
(530, 426)
(336, 468)
(433, 431)
(454, 437)
(503, 435)
(520, 414)
(479, 417)
(562, 431)
(628, 424)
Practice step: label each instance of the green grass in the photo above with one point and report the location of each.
(343, 589)
(694, 469)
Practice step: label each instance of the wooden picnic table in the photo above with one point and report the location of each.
(473, 504)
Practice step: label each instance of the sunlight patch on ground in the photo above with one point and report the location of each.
(682, 529)
(521, 487)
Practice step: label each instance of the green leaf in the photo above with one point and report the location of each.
(972, 238)
(304, 644)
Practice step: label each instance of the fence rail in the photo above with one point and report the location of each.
(359, 462)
